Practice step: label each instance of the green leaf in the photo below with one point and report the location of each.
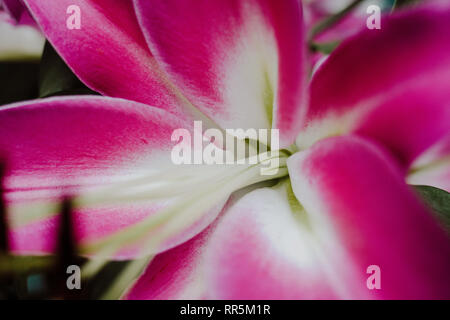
(324, 47)
(56, 78)
(18, 81)
(438, 200)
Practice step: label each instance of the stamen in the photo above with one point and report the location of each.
(174, 224)
(195, 203)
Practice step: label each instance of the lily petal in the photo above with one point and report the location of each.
(365, 215)
(433, 167)
(175, 274)
(75, 145)
(19, 42)
(17, 11)
(240, 62)
(390, 84)
(263, 250)
(247, 243)
(108, 53)
(316, 11)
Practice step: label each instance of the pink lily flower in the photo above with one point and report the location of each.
(377, 108)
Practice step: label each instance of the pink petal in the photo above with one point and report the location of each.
(18, 12)
(72, 145)
(108, 53)
(233, 59)
(248, 253)
(174, 274)
(365, 215)
(316, 11)
(262, 250)
(433, 167)
(390, 84)
(347, 27)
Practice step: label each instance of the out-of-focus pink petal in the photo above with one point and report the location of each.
(19, 42)
(240, 62)
(73, 145)
(108, 53)
(347, 27)
(433, 167)
(438, 177)
(315, 11)
(390, 84)
(364, 214)
(18, 12)
(262, 249)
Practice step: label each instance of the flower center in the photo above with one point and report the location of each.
(188, 193)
